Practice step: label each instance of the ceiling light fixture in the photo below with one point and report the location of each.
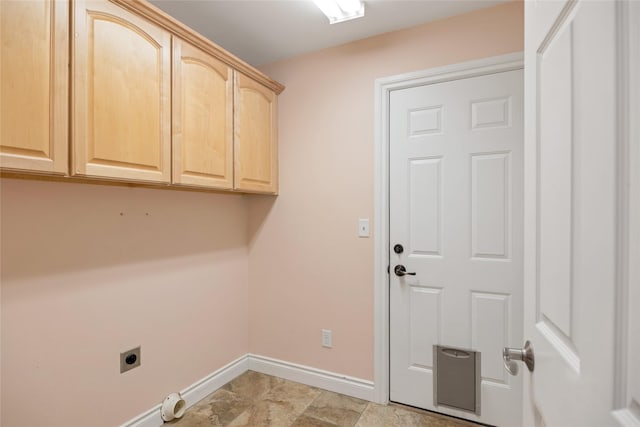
(341, 10)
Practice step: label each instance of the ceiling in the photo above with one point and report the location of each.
(264, 31)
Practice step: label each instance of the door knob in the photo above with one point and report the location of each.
(512, 355)
(401, 271)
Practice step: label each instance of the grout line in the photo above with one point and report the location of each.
(361, 413)
(310, 403)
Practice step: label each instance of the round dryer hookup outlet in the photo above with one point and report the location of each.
(173, 406)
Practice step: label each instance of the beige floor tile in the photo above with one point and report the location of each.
(225, 406)
(296, 394)
(267, 413)
(394, 416)
(280, 406)
(196, 416)
(192, 419)
(449, 421)
(337, 409)
(305, 421)
(253, 385)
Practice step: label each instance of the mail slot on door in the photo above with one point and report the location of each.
(456, 379)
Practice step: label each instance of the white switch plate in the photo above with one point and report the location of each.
(326, 338)
(363, 227)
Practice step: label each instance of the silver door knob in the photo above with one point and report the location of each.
(511, 356)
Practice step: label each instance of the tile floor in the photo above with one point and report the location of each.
(259, 400)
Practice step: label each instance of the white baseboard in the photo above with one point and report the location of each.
(337, 383)
(194, 393)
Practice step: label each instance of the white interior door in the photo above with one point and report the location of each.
(456, 207)
(574, 238)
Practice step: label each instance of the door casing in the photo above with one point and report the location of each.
(383, 88)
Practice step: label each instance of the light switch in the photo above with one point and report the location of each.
(363, 227)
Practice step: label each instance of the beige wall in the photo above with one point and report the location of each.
(308, 270)
(81, 283)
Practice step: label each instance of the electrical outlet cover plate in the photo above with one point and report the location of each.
(130, 359)
(326, 338)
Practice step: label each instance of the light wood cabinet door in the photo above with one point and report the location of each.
(202, 118)
(255, 138)
(121, 95)
(34, 92)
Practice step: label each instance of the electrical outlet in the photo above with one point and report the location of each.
(326, 338)
(130, 359)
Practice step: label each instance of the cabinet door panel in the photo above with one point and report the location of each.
(256, 151)
(34, 85)
(122, 106)
(202, 119)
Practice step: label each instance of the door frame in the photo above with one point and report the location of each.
(383, 88)
(626, 408)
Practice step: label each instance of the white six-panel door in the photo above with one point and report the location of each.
(577, 183)
(456, 206)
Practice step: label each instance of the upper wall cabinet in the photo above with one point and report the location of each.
(34, 79)
(202, 118)
(150, 101)
(122, 95)
(255, 139)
